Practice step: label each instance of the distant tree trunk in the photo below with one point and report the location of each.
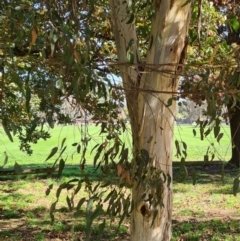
(235, 134)
(152, 120)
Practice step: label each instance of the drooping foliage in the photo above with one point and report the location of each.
(54, 52)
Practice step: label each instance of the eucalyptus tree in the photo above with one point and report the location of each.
(150, 80)
(74, 41)
(214, 75)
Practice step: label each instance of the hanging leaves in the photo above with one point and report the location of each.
(219, 137)
(52, 153)
(5, 159)
(131, 19)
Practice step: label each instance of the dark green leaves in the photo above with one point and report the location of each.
(47, 192)
(234, 22)
(61, 167)
(131, 19)
(52, 153)
(5, 160)
(219, 137)
(7, 131)
(194, 132)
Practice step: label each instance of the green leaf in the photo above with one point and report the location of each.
(131, 19)
(50, 121)
(130, 57)
(194, 175)
(65, 147)
(207, 132)
(94, 148)
(63, 141)
(169, 102)
(5, 159)
(60, 189)
(131, 42)
(18, 169)
(47, 192)
(235, 186)
(201, 134)
(80, 203)
(169, 180)
(235, 24)
(78, 148)
(78, 187)
(61, 167)
(216, 131)
(219, 137)
(194, 132)
(184, 145)
(52, 153)
(7, 131)
(52, 209)
(97, 212)
(69, 203)
(177, 148)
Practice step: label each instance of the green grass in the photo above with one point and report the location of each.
(206, 211)
(196, 149)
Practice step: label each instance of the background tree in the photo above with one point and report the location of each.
(230, 32)
(73, 42)
(188, 112)
(215, 80)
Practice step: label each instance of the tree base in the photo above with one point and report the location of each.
(232, 164)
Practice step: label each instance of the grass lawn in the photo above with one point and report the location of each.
(206, 211)
(196, 149)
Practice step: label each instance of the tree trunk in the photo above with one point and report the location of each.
(235, 135)
(152, 120)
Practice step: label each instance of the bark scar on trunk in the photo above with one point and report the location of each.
(144, 210)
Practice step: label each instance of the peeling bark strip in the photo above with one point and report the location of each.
(150, 117)
(171, 4)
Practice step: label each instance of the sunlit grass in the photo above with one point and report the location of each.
(196, 148)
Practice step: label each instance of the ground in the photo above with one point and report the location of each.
(205, 211)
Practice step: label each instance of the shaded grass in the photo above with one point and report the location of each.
(206, 211)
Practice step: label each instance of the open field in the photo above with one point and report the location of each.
(196, 148)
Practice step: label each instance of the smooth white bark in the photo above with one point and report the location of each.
(151, 119)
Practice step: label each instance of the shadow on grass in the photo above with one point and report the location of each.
(193, 229)
(215, 229)
(68, 171)
(33, 225)
(204, 176)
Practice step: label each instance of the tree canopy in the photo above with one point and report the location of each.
(52, 52)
